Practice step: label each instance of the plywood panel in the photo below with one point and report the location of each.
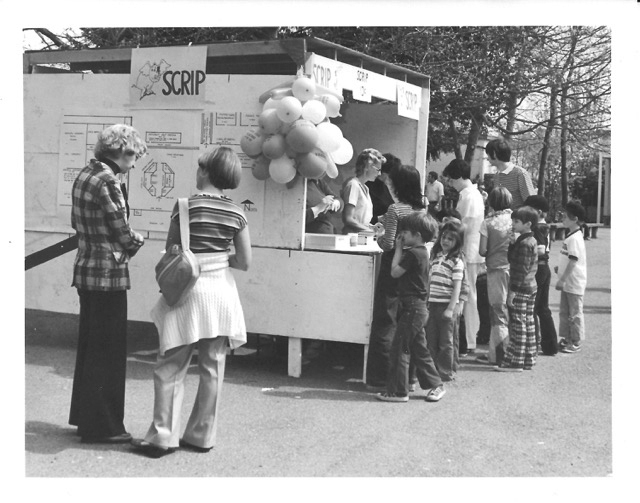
(312, 295)
(275, 212)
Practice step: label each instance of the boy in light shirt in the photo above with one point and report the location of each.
(572, 279)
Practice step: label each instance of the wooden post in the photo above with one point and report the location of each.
(295, 357)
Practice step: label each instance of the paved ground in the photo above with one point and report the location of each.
(555, 421)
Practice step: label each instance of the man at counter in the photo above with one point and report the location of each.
(434, 190)
(381, 197)
(321, 202)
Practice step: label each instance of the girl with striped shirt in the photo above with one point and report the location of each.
(446, 275)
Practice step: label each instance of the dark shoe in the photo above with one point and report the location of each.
(123, 438)
(186, 445)
(151, 450)
(375, 388)
(392, 397)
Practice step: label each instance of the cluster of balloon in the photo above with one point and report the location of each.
(295, 135)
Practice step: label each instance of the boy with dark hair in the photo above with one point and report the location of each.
(523, 265)
(410, 265)
(545, 327)
(572, 281)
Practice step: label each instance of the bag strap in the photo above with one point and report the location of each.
(183, 208)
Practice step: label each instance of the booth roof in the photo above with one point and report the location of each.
(269, 57)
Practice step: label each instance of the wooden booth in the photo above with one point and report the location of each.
(211, 97)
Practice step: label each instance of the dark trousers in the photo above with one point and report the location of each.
(544, 320)
(383, 324)
(484, 310)
(410, 345)
(97, 400)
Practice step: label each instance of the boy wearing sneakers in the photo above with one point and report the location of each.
(410, 265)
(572, 279)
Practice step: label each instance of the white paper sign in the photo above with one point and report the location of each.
(361, 89)
(168, 77)
(409, 100)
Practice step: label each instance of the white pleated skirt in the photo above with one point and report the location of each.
(211, 309)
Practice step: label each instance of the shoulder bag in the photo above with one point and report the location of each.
(178, 269)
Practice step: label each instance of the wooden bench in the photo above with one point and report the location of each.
(557, 231)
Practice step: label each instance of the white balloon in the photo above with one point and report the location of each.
(303, 88)
(332, 169)
(289, 109)
(332, 104)
(269, 104)
(314, 111)
(282, 170)
(344, 153)
(329, 136)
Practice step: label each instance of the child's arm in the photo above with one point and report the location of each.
(567, 272)
(396, 269)
(483, 245)
(455, 295)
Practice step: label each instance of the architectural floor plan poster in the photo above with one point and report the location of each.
(168, 171)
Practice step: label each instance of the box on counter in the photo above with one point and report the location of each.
(326, 241)
(366, 238)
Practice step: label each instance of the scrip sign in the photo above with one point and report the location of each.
(168, 77)
(409, 100)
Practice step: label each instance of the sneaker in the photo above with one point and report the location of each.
(500, 368)
(484, 359)
(562, 343)
(435, 394)
(571, 348)
(412, 387)
(392, 397)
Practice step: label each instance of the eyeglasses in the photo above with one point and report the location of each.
(133, 152)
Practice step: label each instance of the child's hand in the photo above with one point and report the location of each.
(448, 314)
(560, 285)
(399, 242)
(510, 296)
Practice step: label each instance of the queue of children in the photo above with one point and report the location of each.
(434, 286)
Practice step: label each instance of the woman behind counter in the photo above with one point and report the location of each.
(106, 242)
(405, 186)
(358, 207)
(209, 319)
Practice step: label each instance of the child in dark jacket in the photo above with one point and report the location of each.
(523, 265)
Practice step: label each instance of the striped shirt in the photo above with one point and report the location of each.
(442, 273)
(391, 218)
(105, 239)
(517, 181)
(213, 222)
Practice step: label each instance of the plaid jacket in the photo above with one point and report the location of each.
(523, 261)
(105, 240)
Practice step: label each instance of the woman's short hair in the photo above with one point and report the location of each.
(222, 166)
(116, 139)
(500, 199)
(525, 214)
(391, 162)
(368, 154)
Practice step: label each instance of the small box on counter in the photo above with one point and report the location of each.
(326, 241)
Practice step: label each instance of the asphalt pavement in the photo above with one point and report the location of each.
(553, 423)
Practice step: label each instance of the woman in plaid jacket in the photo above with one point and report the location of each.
(106, 242)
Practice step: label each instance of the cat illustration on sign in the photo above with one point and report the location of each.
(148, 75)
